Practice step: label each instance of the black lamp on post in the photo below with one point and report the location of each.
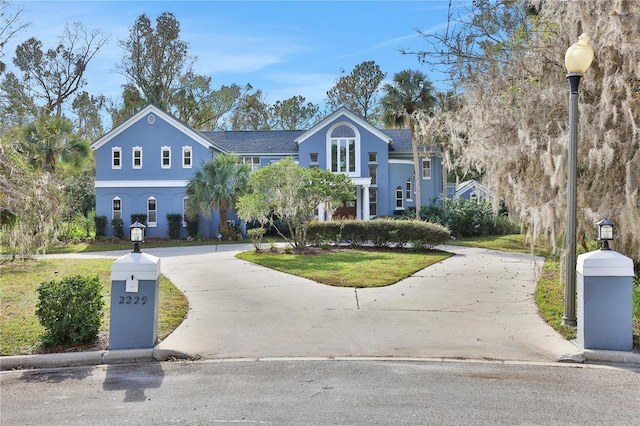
(605, 233)
(137, 235)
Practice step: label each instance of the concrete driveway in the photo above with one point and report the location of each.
(478, 304)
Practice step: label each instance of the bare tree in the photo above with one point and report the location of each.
(57, 73)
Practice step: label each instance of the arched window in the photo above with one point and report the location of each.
(116, 208)
(152, 212)
(343, 152)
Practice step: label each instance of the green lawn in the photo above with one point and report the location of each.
(349, 268)
(20, 329)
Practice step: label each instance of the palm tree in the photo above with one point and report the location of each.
(50, 140)
(410, 91)
(217, 185)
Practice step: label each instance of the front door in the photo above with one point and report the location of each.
(347, 211)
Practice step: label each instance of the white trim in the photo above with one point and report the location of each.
(422, 160)
(150, 109)
(113, 210)
(346, 113)
(400, 162)
(133, 157)
(190, 149)
(115, 149)
(356, 154)
(153, 224)
(141, 183)
(162, 151)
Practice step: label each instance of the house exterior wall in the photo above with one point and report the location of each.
(133, 187)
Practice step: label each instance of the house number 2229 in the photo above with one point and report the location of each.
(132, 300)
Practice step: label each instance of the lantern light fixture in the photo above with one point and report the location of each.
(605, 233)
(137, 235)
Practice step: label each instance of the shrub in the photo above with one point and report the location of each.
(70, 310)
(118, 228)
(175, 223)
(101, 225)
(192, 227)
(379, 232)
(256, 235)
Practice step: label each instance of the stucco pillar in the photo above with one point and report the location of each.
(366, 215)
(604, 314)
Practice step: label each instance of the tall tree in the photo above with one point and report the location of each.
(358, 91)
(251, 113)
(155, 59)
(409, 93)
(10, 25)
(293, 114)
(287, 191)
(515, 109)
(87, 109)
(17, 105)
(56, 74)
(202, 107)
(217, 185)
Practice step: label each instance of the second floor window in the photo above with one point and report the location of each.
(166, 157)
(426, 168)
(116, 157)
(409, 190)
(186, 157)
(373, 174)
(252, 162)
(137, 157)
(343, 150)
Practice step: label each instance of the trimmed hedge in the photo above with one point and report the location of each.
(379, 233)
(175, 223)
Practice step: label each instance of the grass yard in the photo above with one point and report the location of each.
(349, 268)
(20, 329)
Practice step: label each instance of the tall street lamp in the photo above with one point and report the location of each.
(577, 60)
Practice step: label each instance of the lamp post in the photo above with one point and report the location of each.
(577, 60)
(137, 235)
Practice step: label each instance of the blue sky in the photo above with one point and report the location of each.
(285, 48)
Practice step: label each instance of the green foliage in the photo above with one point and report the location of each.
(118, 228)
(636, 298)
(291, 193)
(380, 233)
(466, 218)
(140, 217)
(175, 223)
(101, 225)
(256, 235)
(192, 226)
(70, 310)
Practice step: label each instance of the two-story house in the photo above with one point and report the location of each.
(144, 165)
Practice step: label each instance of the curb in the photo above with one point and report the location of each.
(76, 359)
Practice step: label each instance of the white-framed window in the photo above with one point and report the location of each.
(343, 150)
(399, 198)
(116, 208)
(252, 162)
(373, 201)
(152, 212)
(313, 158)
(186, 157)
(137, 157)
(184, 212)
(373, 157)
(409, 190)
(116, 157)
(373, 174)
(165, 157)
(426, 168)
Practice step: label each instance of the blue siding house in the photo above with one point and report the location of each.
(144, 165)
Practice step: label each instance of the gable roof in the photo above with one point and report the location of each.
(151, 109)
(333, 117)
(257, 141)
